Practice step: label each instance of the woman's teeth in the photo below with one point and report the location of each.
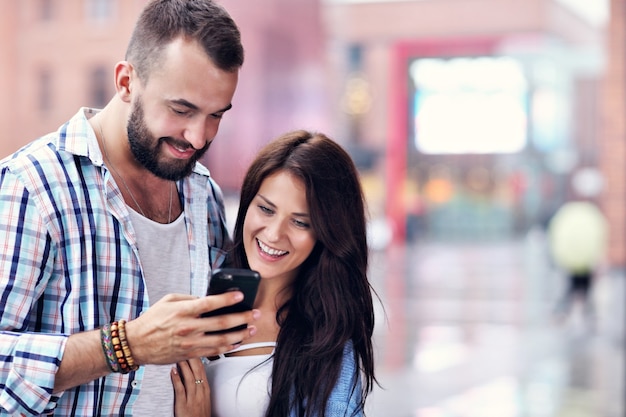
(270, 251)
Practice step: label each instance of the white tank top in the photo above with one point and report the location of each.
(240, 385)
(164, 254)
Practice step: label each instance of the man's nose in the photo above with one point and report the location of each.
(201, 131)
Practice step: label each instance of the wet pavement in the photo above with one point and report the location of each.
(468, 330)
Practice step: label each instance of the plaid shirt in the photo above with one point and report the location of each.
(69, 263)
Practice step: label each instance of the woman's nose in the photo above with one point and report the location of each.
(273, 230)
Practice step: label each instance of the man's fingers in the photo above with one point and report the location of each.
(226, 323)
(213, 302)
(172, 329)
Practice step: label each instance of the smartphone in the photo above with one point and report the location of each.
(233, 279)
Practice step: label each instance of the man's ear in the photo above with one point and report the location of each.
(124, 74)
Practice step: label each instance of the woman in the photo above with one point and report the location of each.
(301, 224)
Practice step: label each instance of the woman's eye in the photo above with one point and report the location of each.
(301, 224)
(265, 210)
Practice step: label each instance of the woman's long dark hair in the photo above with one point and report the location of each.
(332, 297)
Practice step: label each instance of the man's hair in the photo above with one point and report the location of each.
(203, 21)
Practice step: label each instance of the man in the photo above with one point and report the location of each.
(107, 223)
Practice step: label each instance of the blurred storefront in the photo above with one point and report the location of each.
(480, 111)
(60, 55)
(469, 119)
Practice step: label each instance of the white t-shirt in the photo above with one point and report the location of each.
(164, 254)
(240, 385)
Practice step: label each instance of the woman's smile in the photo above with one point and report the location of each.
(267, 250)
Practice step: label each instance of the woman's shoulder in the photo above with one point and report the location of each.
(346, 396)
(348, 375)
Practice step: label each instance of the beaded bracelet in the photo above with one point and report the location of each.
(125, 347)
(116, 349)
(107, 348)
(117, 346)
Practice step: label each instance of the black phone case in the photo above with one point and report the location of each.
(233, 279)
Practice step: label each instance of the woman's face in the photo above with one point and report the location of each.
(277, 231)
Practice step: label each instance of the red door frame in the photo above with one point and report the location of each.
(398, 130)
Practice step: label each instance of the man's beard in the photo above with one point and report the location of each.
(146, 149)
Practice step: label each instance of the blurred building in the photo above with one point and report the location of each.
(485, 110)
(612, 130)
(59, 55)
(469, 119)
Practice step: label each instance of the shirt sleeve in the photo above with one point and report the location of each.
(28, 361)
(345, 398)
(29, 365)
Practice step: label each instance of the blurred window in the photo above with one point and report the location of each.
(355, 57)
(469, 105)
(595, 12)
(99, 9)
(98, 87)
(45, 91)
(46, 10)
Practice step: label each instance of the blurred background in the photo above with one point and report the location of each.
(471, 121)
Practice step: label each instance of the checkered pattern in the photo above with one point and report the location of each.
(69, 263)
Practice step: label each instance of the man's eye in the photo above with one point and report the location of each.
(217, 115)
(180, 112)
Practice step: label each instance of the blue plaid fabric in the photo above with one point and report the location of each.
(69, 263)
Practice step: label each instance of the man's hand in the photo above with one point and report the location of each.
(172, 331)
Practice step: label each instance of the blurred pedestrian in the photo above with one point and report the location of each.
(577, 236)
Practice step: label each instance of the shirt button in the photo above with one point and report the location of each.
(134, 384)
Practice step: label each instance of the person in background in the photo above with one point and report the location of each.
(578, 238)
(110, 227)
(302, 225)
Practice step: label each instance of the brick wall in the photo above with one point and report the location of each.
(612, 126)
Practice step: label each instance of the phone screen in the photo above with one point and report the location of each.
(233, 279)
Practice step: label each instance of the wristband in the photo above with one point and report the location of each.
(107, 348)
